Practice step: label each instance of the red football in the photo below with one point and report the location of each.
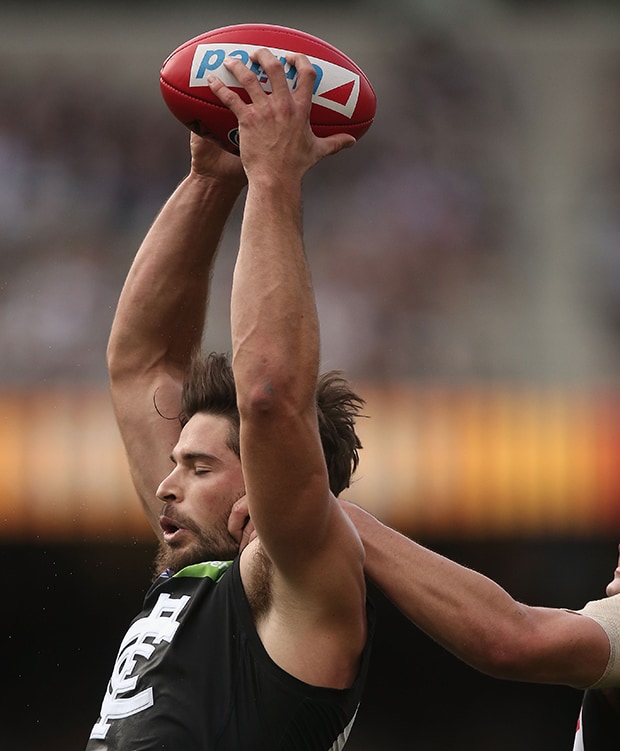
(343, 100)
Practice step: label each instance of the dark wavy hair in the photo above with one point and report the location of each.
(209, 386)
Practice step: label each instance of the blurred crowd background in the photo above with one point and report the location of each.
(466, 260)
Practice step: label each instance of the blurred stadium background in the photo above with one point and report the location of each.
(466, 257)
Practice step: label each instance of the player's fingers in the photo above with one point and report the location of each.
(226, 96)
(238, 518)
(246, 77)
(275, 70)
(337, 142)
(249, 534)
(305, 74)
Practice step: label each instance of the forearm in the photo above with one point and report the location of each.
(162, 306)
(273, 318)
(476, 619)
(275, 359)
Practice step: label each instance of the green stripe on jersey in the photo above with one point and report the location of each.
(210, 569)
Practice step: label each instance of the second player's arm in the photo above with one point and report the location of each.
(477, 620)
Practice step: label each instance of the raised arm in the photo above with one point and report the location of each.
(477, 620)
(315, 627)
(161, 312)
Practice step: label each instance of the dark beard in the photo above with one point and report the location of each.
(205, 548)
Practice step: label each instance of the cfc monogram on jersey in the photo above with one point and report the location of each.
(141, 641)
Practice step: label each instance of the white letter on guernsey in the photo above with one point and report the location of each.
(160, 625)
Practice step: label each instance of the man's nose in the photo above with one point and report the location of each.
(168, 490)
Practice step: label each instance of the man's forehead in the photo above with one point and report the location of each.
(204, 434)
(205, 422)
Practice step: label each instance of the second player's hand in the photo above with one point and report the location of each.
(211, 161)
(240, 525)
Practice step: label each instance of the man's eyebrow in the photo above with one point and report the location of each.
(193, 456)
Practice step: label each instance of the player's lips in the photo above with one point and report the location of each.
(171, 528)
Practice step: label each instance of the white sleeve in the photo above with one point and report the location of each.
(606, 613)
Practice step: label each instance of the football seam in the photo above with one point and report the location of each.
(194, 98)
(224, 107)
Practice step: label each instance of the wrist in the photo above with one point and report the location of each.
(283, 192)
(276, 175)
(225, 185)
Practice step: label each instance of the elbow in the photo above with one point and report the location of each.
(120, 363)
(263, 399)
(274, 383)
(119, 352)
(129, 365)
(114, 362)
(514, 647)
(499, 650)
(503, 661)
(513, 655)
(269, 393)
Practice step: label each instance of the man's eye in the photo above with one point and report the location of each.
(201, 471)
